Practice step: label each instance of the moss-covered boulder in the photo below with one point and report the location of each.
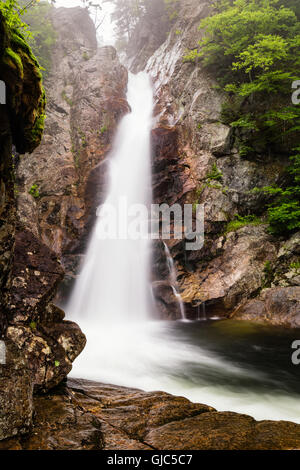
(21, 73)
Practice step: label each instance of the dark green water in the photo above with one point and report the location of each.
(265, 351)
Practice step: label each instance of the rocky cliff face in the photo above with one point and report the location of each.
(20, 124)
(195, 160)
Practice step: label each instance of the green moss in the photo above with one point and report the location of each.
(268, 275)
(34, 191)
(32, 325)
(214, 174)
(295, 266)
(19, 42)
(38, 127)
(12, 58)
(82, 137)
(26, 97)
(66, 98)
(103, 130)
(85, 56)
(240, 222)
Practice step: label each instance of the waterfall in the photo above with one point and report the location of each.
(114, 285)
(112, 303)
(173, 279)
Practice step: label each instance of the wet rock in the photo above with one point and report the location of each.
(209, 431)
(90, 416)
(277, 306)
(33, 280)
(286, 269)
(16, 402)
(170, 177)
(166, 300)
(49, 350)
(236, 274)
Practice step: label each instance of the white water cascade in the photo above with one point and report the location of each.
(111, 302)
(114, 284)
(173, 279)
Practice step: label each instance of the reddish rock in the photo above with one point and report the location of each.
(169, 175)
(90, 416)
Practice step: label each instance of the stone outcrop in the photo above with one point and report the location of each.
(277, 306)
(83, 415)
(196, 160)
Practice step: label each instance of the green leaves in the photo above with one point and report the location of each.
(252, 48)
(284, 211)
(214, 174)
(265, 53)
(12, 13)
(43, 35)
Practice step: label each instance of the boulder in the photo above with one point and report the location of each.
(84, 415)
(276, 306)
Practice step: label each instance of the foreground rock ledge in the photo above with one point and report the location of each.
(84, 415)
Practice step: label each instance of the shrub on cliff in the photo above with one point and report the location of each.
(284, 212)
(252, 48)
(12, 12)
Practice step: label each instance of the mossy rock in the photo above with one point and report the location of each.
(26, 100)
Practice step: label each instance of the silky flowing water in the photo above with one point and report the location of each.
(230, 365)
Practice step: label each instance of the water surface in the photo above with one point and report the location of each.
(231, 365)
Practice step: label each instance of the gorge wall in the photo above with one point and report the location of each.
(44, 196)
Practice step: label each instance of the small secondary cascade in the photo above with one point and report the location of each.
(114, 283)
(202, 311)
(173, 279)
